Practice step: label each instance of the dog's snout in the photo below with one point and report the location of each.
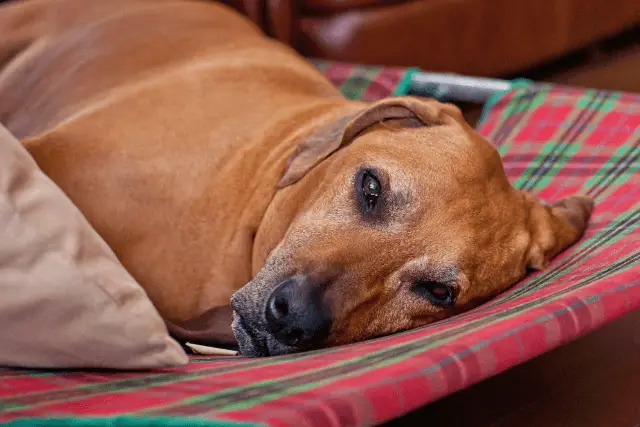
(296, 313)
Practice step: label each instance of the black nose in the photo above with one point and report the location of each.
(296, 313)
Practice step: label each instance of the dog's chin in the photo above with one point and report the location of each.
(250, 343)
(253, 343)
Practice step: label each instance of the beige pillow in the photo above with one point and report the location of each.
(65, 300)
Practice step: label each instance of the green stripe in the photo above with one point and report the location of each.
(135, 383)
(604, 174)
(362, 365)
(618, 266)
(405, 82)
(586, 99)
(10, 373)
(361, 78)
(358, 81)
(622, 178)
(125, 421)
(536, 100)
(516, 85)
(543, 155)
(514, 122)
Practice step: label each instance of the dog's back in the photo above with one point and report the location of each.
(60, 59)
(156, 117)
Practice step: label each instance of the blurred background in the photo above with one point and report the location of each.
(587, 43)
(590, 43)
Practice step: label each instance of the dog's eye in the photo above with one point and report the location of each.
(371, 189)
(437, 293)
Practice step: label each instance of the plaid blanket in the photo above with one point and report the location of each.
(555, 141)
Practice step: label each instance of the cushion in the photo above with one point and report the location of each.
(65, 300)
(555, 141)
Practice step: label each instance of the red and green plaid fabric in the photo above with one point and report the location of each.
(555, 141)
(367, 83)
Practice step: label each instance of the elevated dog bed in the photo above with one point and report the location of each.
(555, 141)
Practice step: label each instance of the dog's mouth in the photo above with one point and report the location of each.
(250, 342)
(255, 343)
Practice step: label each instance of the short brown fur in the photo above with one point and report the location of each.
(212, 160)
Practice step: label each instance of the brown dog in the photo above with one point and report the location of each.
(214, 160)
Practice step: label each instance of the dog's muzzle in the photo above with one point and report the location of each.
(294, 317)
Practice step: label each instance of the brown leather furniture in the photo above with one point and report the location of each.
(477, 37)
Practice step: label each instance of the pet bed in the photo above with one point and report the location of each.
(555, 141)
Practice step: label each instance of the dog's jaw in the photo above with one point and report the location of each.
(253, 343)
(249, 342)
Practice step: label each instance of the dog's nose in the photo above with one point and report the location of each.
(296, 313)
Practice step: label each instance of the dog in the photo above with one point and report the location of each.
(233, 180)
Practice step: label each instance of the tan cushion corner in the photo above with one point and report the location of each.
(65, 300)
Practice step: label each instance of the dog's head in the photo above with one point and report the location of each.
(403, 216)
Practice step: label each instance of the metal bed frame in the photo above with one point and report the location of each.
(456, 88)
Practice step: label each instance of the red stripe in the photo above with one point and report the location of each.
(384, 84)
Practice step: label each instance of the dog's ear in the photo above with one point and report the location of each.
(410, 111)
(555, 227)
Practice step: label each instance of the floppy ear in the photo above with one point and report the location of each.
(329, 138)
(555, 227)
